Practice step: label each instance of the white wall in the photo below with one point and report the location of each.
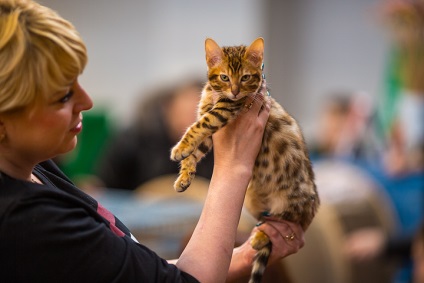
(134, 44)
(312, 46)
(321, 46)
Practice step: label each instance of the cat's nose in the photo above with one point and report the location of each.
(235, 90)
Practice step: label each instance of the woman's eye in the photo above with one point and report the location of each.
(245, 78)
(224, 78)
(67, 96)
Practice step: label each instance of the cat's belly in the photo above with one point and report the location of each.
(295, 202)
(261, 197)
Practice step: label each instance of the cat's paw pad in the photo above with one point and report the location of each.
(179, 152)
(259, 240)
(183, 182)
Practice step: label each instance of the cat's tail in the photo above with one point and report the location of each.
(259, 263)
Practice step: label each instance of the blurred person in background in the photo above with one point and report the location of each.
(401, 124)
(141, 152)
(344, 126)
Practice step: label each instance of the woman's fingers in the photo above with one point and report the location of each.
(287, 238)
(255, 103)
(293, 227)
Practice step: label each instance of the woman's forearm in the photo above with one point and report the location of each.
(208, 254)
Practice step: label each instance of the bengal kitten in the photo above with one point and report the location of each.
(282, 183)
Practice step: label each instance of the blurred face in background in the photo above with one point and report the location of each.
(332, 125)
(182, 111)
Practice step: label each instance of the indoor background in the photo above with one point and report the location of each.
(312, 47)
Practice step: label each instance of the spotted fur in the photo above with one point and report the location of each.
(283, 180)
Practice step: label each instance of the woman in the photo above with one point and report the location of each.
(52, 232)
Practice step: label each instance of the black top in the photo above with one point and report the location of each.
(57, 233)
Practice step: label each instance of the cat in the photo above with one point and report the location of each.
(282, 183)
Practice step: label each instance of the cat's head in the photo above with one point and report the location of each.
(235, 71)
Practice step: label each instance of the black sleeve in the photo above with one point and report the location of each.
(48, 238)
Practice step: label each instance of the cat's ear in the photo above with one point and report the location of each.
(214, 53)
(255, 52)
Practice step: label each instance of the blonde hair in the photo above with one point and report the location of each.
(40, 53)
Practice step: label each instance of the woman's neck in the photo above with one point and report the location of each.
(15, 169)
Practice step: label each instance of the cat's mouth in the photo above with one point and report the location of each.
(228, 96)
(235, 97)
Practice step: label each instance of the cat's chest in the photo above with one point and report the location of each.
(221, 104)
(209, 96)
(214, 97)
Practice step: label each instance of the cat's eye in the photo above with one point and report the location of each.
(245, 78)
(225, 78)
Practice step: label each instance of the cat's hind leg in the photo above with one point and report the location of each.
(261, 243)
(259, 240)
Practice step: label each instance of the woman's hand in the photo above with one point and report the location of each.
(238, 143)
(287, 238)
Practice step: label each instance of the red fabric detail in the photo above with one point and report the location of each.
(111, 218)
(117, 231)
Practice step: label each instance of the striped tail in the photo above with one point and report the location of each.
(259, 263)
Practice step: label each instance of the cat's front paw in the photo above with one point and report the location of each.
(180, 151)
(183, 181)
(259, 240)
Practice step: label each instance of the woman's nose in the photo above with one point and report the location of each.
(84, 101)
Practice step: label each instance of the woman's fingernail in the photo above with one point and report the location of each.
(262, 66)
(267, 93)
(263, 76)
(259, 223)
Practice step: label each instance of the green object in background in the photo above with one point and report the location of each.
(391, 93)
(96, 132)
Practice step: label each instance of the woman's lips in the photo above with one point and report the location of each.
(77, 128)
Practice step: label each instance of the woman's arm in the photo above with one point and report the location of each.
(208, 254)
